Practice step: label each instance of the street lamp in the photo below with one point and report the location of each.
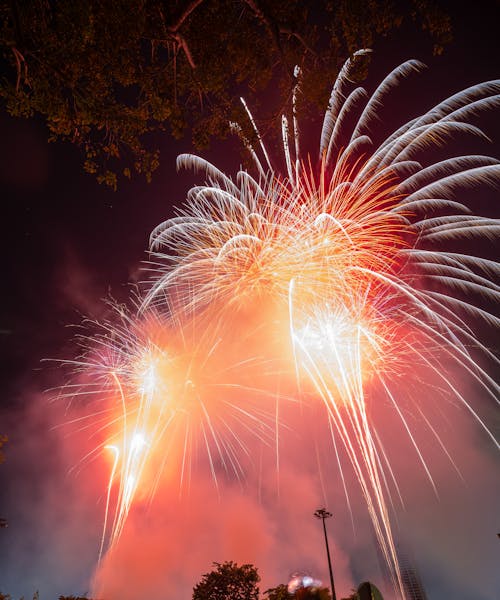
(323, 514)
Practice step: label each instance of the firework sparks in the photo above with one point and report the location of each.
(169, 395)
(347, 254)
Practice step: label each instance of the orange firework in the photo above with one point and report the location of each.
(346, 254)
(230, 245)
(170, 395)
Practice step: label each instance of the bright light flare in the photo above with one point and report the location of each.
(342, 341)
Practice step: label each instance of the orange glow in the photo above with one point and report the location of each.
(300, 247)
(318, 278)
(310, 231)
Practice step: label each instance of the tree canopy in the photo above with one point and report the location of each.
(228, 581)
(108, 76)
(304, 593)
(312, 594)
(278, 593)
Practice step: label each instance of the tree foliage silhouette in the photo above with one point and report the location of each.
(278, 593)
(228, 581)
(304, 593)
(107, 76)
(312, 594)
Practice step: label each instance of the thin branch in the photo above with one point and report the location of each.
(191, 6)
(181, 40)
(20, 61)
(267, 22)
(294, 34)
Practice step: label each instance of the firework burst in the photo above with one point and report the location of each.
(162, 399)
(345, 260)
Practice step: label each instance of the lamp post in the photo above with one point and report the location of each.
(323, 514)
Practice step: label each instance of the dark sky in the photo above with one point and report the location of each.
(67, 243)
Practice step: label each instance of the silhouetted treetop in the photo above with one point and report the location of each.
(228, 581)
(107, 76)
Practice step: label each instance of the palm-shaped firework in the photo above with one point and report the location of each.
(342, 261)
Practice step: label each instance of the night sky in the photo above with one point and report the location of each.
(67, 243)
